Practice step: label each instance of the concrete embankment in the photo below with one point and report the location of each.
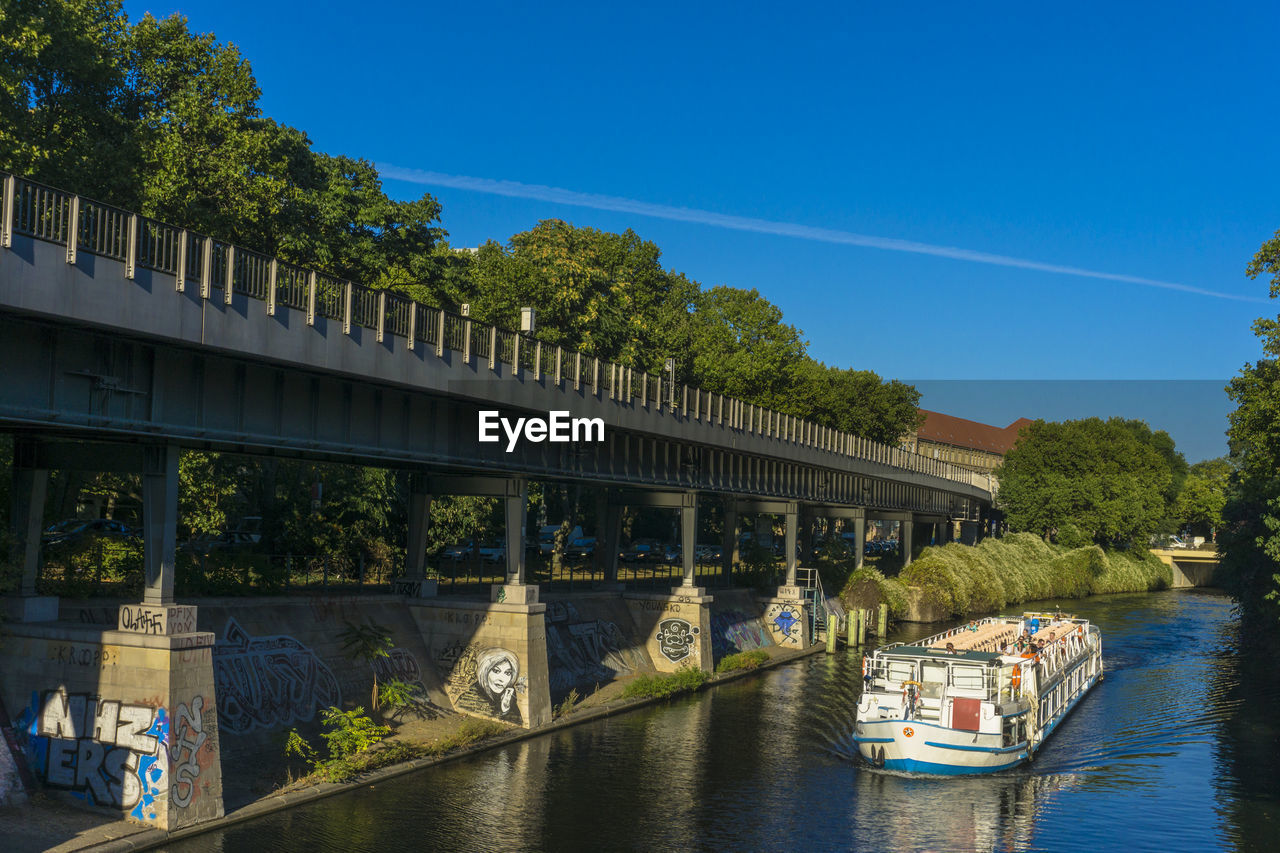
(172, 719)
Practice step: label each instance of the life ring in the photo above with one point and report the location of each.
(915, 683)
(1017, 678)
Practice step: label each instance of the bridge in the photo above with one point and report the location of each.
(126, 340)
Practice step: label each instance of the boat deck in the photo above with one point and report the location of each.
(990, 637)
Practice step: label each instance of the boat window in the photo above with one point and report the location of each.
(934, 675)
(901, 670)
(967, 677)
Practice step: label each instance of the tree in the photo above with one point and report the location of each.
(1096, 475)
(1203, 496)
(368, 642)
(1250, 540)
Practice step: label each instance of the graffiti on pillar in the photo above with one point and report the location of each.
(105, 751)
(676, 638)
(786, 620)
(268, 682)
(189, 737)
(585, 651)
(733, 631)
(482, 680)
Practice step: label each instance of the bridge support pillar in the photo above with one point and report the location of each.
(688, 539)
(904, 541)
(792, 516)
(609, 542)
(30, 485)
(859, 540)
(415, 584)
(729, 544)
(515, 506)
(159, 522)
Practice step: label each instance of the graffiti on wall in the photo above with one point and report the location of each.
(189, 737)
(401, 665)
(733, 631)
(109, 752)
(786, 620)
(269, 681)
(676, 638)
(585, 651)
(482, 680)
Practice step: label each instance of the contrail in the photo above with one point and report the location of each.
(558, 195)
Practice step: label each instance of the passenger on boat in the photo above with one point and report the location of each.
(951, 648)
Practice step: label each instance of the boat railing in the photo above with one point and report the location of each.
(951, 632)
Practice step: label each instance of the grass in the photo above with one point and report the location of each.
(968, 580)
(684, 680)
(742, 660)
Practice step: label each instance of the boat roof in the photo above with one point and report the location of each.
(958, 655)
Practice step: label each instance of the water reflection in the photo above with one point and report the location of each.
(1175, 750)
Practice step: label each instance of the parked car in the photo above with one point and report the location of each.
(672, 554)
(209, 543)
(581, 548)
(458, 551)
(708, 553)
(76, 529)
(492, 552)
(641, 551)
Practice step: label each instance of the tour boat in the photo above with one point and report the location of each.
(978, 698)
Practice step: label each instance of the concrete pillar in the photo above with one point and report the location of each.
(415, 583)
(516, 506)
(610, 542)
(26, 518)
(789, 543)
(419, 523)
(159, 521)
(729, 551)
(859, 541)
(904, 541)
(688, 535)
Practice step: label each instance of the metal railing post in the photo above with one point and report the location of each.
(493, 347)
(73, 229)
(230, 278)
(559, 361)
(272, 280)
(413, 325)
(346, 310)
(180, 276)
(311, 298)
(537, 361)
(577, 371)
(382, 315)
(466, 341)
(440, 334)
(131, 252)
(6, 212)
(515, 353)
(206, 268)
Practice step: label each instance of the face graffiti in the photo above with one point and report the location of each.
(676, 638)
(501, 676)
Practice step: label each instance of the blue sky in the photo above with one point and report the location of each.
(1134, 140)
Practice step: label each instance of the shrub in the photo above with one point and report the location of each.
(567, 705)
(743, 660)
(684, 680)
(350, 731)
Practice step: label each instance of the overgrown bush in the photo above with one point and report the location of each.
(1023, 567)
(684, 680)
(868, 588)
(743, 660)
(350, 732)
(567, 705)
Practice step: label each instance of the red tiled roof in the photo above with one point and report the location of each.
(958, 432)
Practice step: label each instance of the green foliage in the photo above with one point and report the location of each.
(868, 588)
(1022, 567)
(296, 745)
(1070, 536)
(1114, 479)
(370, 643)
(684, 680)
(743, 660)
(350, 732)
(567, 705)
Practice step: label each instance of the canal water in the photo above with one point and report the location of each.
(1176, 750)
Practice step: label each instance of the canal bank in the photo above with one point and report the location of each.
(45, 824)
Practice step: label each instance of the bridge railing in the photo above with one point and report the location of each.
(220, 270)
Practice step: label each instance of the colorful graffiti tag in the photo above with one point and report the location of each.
(109, 752)
(786, 622)
(733, 631)
(268, 682)
(188, 737)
